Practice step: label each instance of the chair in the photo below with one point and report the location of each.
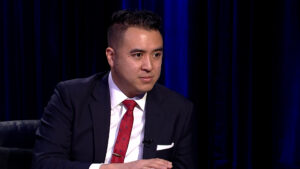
(16, 143)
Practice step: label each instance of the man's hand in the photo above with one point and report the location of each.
(154, 163)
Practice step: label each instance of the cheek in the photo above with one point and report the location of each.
(130, 69)
(158, 66)
(124, 65)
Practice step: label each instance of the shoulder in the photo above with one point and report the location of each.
(168, 96)
(82, 83)
(81, 86)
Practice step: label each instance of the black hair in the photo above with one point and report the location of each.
(123, 19)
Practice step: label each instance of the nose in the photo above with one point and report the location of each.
(147, 64)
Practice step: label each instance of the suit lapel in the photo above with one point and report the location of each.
(100, 111)
(153, 118)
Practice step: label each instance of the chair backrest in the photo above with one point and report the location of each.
(16, 143)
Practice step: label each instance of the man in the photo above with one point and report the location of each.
(82, 126)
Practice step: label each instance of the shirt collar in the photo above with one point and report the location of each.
(117, 96)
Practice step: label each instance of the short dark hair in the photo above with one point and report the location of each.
(123, 19)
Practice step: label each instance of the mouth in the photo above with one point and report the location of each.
(146, 79)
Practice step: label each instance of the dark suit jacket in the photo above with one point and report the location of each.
(75, 126)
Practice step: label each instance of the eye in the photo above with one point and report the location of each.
(157, 54)
(137, 55)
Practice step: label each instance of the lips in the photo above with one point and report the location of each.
(146, 79)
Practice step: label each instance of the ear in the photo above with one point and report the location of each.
(110, 56)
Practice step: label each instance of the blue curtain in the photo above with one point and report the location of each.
(237, 60)
(230, 82)
(286, 91)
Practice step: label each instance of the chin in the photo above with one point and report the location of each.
(146, 89)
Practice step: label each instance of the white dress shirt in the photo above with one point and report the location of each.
(135, 147)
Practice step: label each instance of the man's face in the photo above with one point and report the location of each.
(136, 61)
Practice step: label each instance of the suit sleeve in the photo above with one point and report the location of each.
(53, 137)
(184, 157)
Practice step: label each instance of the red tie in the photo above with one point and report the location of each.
(121, 144)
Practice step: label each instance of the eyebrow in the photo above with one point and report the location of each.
(137, 51)
(143, 51)
(158, 49)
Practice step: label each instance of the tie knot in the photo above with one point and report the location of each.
(129, 104)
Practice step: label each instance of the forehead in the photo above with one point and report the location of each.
(134, 37)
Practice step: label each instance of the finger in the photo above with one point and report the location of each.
(165, 162)
(159, 164)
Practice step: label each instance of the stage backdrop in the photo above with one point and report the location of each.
(237, 60)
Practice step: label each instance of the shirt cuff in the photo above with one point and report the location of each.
(95, 166)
